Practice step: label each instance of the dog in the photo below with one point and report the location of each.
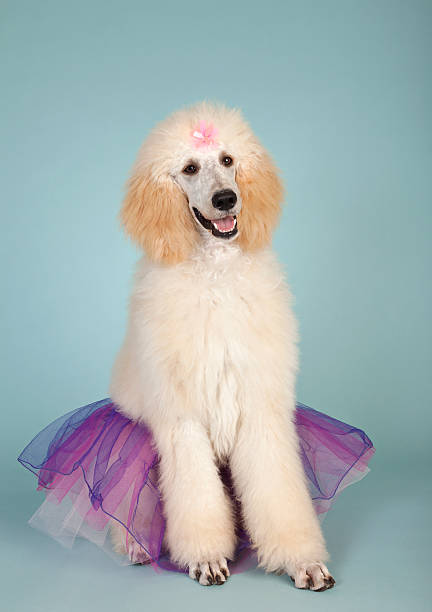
(209, 360)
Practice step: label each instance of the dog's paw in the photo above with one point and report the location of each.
(136, 553)
(208, 573)
(313, 576)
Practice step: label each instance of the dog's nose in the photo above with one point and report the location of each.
(224, 199)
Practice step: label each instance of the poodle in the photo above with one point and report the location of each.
(209, 359)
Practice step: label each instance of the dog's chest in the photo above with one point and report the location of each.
(212, 325)
(223, 365)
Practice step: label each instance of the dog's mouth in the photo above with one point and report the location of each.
(221, 228)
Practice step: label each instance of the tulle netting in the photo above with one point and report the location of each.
(97, 466)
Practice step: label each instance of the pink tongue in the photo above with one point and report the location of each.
(224, 225)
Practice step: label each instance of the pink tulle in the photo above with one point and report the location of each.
(96, 466)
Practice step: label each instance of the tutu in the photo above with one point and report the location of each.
(95, 465)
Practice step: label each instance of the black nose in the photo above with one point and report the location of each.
(224, 199)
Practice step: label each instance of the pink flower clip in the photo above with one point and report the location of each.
(204, 135)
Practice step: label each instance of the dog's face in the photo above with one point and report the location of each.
(201, 172)
(208, 179)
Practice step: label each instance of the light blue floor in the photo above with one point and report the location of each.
(378, 534)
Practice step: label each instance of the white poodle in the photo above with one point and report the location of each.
(209, 361)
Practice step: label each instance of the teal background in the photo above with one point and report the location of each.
(340, 93)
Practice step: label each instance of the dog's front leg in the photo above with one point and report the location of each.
(200, 531)
(278, 511)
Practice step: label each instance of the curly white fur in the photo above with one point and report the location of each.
(209, 364)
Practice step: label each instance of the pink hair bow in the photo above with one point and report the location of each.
(204, 135)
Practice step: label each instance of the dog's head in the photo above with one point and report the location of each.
(201, 171)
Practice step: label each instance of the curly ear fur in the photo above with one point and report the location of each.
(156, 216)
(262, 193)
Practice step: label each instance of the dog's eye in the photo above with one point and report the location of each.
(226, 160)
(190, 169)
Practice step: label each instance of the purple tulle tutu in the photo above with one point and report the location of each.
(96, 466)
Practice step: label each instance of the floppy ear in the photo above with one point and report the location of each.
(262, 193)
(156, 216)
